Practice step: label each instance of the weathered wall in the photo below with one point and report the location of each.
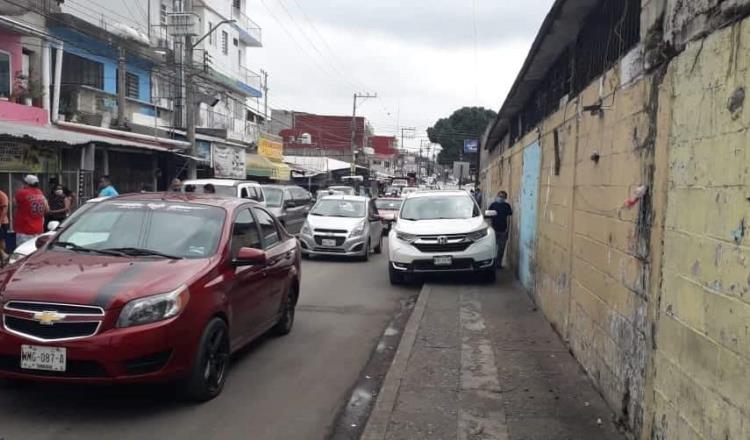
(702, 361)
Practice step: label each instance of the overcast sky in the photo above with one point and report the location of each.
(419, 56)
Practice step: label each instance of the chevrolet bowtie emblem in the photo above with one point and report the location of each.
(48, 318)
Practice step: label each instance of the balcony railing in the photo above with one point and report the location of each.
(250, 32)
(236, 128)
(250, 78)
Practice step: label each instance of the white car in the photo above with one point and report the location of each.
(409, 190)
(243, 189)
(29, 247)
(441, 231)
(344, 226)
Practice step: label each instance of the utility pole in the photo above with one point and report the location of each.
(121, 84)
(403, 148)
(354, 128)
(189, 100)
(265, 93)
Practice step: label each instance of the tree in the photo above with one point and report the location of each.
(450, 132)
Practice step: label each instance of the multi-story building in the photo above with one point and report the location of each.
(384, 155)
(324, 135)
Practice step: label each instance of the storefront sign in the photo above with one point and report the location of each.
(26, 158)
(272, 150)
(203, 150)
(229, 162)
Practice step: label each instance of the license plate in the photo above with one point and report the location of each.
(329, 242)
(442, 261)
(43, 358)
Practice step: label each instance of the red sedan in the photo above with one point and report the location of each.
(146, 288)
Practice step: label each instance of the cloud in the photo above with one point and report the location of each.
(442, 23)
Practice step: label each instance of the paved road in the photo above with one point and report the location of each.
(280, 388)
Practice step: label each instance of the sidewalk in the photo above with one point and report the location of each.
(480, 362)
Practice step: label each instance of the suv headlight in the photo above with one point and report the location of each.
(477, 235)
(153, 308)
(403, 236)
(306, 229)
(359, 230)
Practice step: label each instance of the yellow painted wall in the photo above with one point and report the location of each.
(702, 361)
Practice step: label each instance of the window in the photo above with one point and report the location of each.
(237, 4)
(131, 85)
(236, 42)
(177, 6)
(211, 34)
(239, 57)
(244, 233)
(5, 76)
(163, 14)
(268, 229)
(82, 72)
(224, 42)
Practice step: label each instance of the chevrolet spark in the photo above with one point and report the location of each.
(149, 288)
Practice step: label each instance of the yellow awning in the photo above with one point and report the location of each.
(257, 165)
(281, 171)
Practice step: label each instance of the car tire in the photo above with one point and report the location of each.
(379, 247)
(286, 321)
(396, 278)
(489, 276)
(366, 255)
(209, 371)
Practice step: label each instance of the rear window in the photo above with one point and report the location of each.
(222, 190)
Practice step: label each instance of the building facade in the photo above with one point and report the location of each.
(626, 168)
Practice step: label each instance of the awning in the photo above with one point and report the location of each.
(259, 166)
(54, 134)
(282, 171)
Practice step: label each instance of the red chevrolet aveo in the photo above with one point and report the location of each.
(146, 288)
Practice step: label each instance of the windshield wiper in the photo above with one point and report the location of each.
(132, 251)
(74, 247)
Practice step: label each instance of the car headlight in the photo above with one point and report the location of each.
(359, 230)
(153, 308)
(403, 236)
(477, 235)
(306, 229)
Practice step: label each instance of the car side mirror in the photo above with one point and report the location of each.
(250, 257)
(42, 240)
(53, 225)
(490, 214)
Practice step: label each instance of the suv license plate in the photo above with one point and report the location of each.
(43, 358)
(442, 261)
(329, 242)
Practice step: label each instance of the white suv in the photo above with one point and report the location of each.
(441, 231)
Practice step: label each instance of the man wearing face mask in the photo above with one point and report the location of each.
(59, 205)
(500, 223)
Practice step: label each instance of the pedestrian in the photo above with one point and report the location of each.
(176, 185)
(478, 196)
(31, 208)
(500, 223)
(209, 188)
(4, 225)
(59, 205)
(106, 189)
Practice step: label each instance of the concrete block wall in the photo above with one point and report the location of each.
(702, 360)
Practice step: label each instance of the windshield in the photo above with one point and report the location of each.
(339, 208)
(222, 190)
(389, 205)
(274, 196)
(176, 229)
(439, 207)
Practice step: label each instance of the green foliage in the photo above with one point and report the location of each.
(450, 133)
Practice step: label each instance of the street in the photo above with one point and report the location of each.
(278, 388)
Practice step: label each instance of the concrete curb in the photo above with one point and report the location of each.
(377, 423)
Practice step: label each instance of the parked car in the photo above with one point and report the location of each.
(149, 288)
(243, 189)
(388, 208)
(344, 226)
(409, 190)
(290, 204)
(441, 231)
(346, 190)
(29, 247)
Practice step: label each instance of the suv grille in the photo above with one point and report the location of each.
(448, 247)
(339, 240)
